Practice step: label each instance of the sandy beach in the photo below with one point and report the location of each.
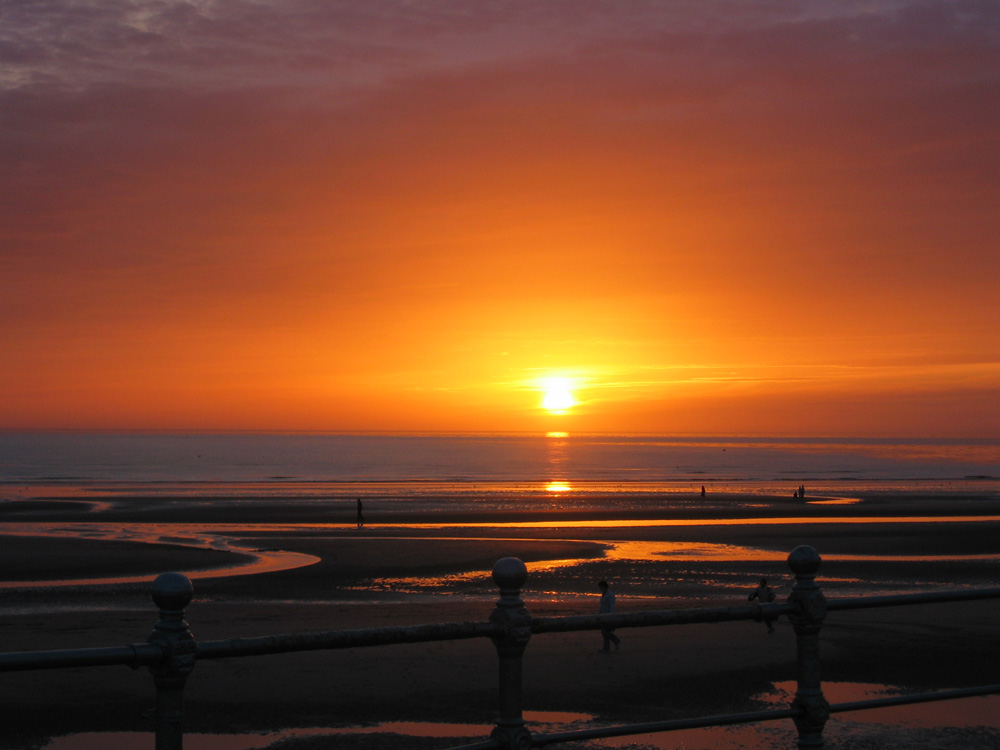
(422, 570)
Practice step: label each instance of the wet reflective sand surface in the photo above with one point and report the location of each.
(264, 567)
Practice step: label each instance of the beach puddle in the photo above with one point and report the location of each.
(711, 738)
(960, 713)
(258, 560)
(681, 553)
(549, 721)
(269, 561)
(690, 739)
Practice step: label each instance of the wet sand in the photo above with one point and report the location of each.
(660, 673)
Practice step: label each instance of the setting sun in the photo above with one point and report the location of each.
(558, 397)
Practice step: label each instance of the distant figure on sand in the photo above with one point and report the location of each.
(703, 490)
(802, 491)
(764, 594)
(608, 608)
(361, 518)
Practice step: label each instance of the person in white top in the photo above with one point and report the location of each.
(608, 608)
(764, 594)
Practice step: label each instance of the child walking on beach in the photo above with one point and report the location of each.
(763, 593)
(608, 608)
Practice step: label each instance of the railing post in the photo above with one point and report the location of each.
(509, 574)
(807, 621)
(172, 592)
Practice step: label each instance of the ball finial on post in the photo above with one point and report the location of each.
(804, 561)
(172, 592)
(509, 574)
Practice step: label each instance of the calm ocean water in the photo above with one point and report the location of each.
(412, 463)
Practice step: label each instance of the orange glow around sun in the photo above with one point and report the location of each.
(558, 398)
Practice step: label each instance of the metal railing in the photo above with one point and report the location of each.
(171, 653)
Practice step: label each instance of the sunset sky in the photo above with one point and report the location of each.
(704, 217)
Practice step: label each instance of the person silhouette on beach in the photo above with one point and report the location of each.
(764, 594)
(361, 518)
(608, 608)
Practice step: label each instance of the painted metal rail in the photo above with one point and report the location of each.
(171, 653)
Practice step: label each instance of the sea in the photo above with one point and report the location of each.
(402, 465)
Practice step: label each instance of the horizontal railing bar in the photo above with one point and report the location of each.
(541, 740)
(336, 639)
(147, 654)
(659, 617)
(903, 700)
(135, 655)
(756, 716)
(902, 600)
(484, 745)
